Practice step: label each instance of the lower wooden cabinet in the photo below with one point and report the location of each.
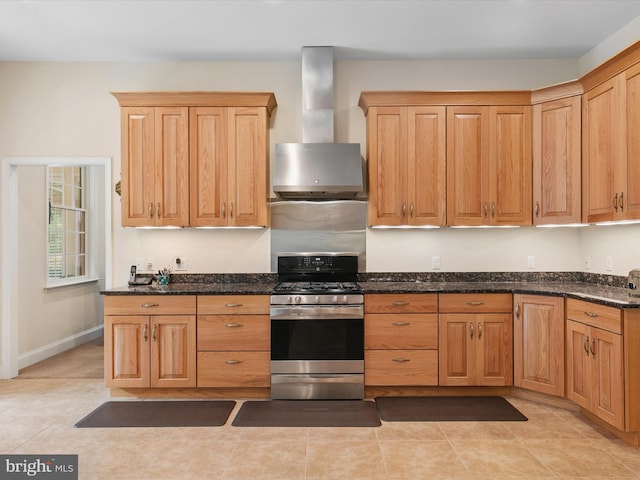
(595, 360)
(538, 343)
(234, 341)
(401, 339)
(150, 341)
(476, 340)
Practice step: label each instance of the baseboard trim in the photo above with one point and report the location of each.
(42, 353)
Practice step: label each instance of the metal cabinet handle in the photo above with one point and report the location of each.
(591, 314)
(149, 305)
(158, 210)
(517, 310)
(400, 304)
(593, 347)
(479, 330)
(400, 324)
(411, 209)
(232, 362)
(232, 305)
(231, 210)
(622, 201)
(404, 209)
(537, 209)
(224, 210)
(493, 209)
(144, 332)
(486, 209)
(615, 202)
(151, 210)
(586, 345)
(475, 304)
(401, 360)
(471, 330)
(153, 332)
(234, 325)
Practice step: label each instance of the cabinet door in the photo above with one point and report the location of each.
(137, 166)
(538, 331)
(510, 165)
(426, 163)
(173, 351)
(387, 152)
(607, 377)
(467, 165)
(126, 360)
(630, 203)
(557, 162)
(208, 166)
(601, 150)
(494, 347)
(456, 349)
(578, 364)
(171, 166)
(247, 166)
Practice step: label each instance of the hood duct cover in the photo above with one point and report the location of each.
(317, 168)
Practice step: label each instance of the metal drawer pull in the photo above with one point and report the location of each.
(153, 332)
(471, 329)
(475, 303)
(593, 347)
(150, 305)
(591, 314)
(400, 304)
(401, 360)
(231, 305)
(586, 345)
(144, 332)
(401, 324)
(232, 362)
(233, 325)
(479, 331)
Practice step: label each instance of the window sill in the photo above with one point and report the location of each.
(51, 285)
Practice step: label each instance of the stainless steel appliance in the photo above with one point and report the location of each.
(317, 328)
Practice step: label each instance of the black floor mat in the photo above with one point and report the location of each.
(447, 409)
(307, 413)
(153, 413)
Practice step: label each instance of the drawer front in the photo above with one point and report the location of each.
(401, 303)
(234, 369)
(401, 367)
(233, 332)
(233, 304)
(601, 316)
(476, 302)
(150, 305)
(403, 331)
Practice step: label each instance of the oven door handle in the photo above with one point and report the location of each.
(343, 312)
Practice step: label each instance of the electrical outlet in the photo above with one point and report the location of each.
(139, 264)
(435, 262)
(531, 261)
(180, 264)
(587, 262)
(608, 263)
(149, 265)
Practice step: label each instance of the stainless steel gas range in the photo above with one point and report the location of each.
(317, 328)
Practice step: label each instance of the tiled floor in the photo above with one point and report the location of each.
(37, 417)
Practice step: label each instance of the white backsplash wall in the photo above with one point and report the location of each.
(618, 245)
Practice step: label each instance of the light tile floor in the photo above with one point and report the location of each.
(37, 417)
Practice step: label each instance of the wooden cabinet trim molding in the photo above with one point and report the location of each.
(612, 67)
(556, 92)
(204, 99)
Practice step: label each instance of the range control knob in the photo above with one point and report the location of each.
(316, 299)
(334, 299)
(289, 300)
(298, 299)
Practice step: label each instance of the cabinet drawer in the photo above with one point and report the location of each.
(476, 302)
(401, 303)
(601, 316)
(233, 304)
(234, 369)
(150, 305)
(404, 331)
(233, 332)
(401, 367)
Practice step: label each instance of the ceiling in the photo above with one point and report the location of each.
(276, 30)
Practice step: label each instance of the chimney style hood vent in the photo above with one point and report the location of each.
(317, 168)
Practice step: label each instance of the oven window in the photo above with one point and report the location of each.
(317, 339)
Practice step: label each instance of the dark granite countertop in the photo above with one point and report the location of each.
(569, 285)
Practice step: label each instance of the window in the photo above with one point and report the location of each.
(67, 225)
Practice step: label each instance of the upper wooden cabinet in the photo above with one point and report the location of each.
(489, 165)
(557, 161)
(195, 158)
(407, 165)
(449, 158)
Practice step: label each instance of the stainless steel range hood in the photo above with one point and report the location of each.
(317, 168)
